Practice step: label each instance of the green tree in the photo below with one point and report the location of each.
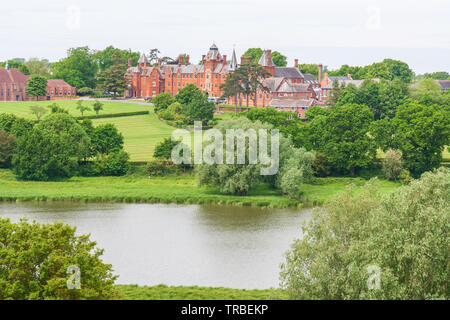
(188, 94)
(82, 108)
(38, 67)
(38, 111)
(15, 125)
(79, 69)
(232, 88)
(343, 137)
(255, 54)
(164, 149)
(199, 109)
(162, 101)
(16, 65)
(115, 163)
(278, 59)
(399, 70)
(392, 164)
(421, 134)
(7, 149)
(251, 77)
(403, 235)
(36, 257)
(97, 106)
(104, 58)
(107, 139)
(51, 149)
(36, 86)
(112, 79)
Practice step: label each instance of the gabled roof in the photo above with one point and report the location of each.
(289, 103)
(273, 83)
(310, 78)
(266, 59)
(57, 83)
(12, 75)
(213, 53)
(289, 73)
(444, 84)
(143, 59)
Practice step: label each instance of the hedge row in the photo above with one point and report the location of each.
(114, 115)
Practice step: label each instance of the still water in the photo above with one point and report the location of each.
(211, 246)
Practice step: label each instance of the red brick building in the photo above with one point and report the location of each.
(285, 83)
(13, 84)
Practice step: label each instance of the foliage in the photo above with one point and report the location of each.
(239, 179)
(107, 57)
(163, 292)
(14, 125)
(51, 149)
(164, 149)
(315, 111)
(403, 235)
(36, 257)
(428, 92)
(255, 54)
(251, 78)
(16, 65)
(392, 164)
(321, 166)
(7, 149)
(55, 108)
(188, 94)
(38, 111)
(82, 107)
(36, 86)
(199, 109)
(79, 69)
(115, 163)
(342, 137)
(162, 101)
(160, 167)
(39, 67)
(97, 106)
(85, 91)
(107, 139)
(311, 69)
(112, 79)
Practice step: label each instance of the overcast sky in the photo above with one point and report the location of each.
(332, 32)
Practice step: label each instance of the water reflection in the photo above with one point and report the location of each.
(239, 247)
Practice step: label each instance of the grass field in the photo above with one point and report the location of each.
(168, 189)
(141, 134)
(162, 292)
(109, 107)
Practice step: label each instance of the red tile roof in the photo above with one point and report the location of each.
(12, 75)
(57, 83)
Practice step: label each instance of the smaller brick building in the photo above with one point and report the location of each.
(13, 84)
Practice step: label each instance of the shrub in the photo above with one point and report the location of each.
(404, 176)
(15, 125)
(7, 149)
(113, 164)
(85, 91)
(36, 258)
(107, 139)
(321, 166)
(403, 235)
(392, 164)
(160, 167)
(162, 101)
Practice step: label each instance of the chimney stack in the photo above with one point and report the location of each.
(296, 63)
(242, 60)
(159, 63)
(187, 60)
(320, 73)
(180, 60)
(249, 60)
(130, 62)
(224, 58)
(269, 53)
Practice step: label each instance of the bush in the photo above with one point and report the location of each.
(160, 167)
(36, 258)
(405, 176)
(113, 164)
(107, 139)
(51, 149)
(162, 101)
(321, 166)
(7, 149)
(15, 125)
(85, 91)
(400, 239)
(392, 164)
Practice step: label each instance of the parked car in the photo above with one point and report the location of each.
(148, 99)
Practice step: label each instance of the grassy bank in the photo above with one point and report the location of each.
(141, 134)
(162, 292)
(169, 189)
(22, 108)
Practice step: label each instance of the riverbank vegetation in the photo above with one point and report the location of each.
(182, 189)
(163, 292)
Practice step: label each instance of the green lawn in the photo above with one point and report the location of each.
(169, 189)
(109, 107)
(141, 134)
(162, 292)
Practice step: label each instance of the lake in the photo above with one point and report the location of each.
(151, 244)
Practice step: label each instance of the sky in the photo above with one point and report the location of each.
(331, 32)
